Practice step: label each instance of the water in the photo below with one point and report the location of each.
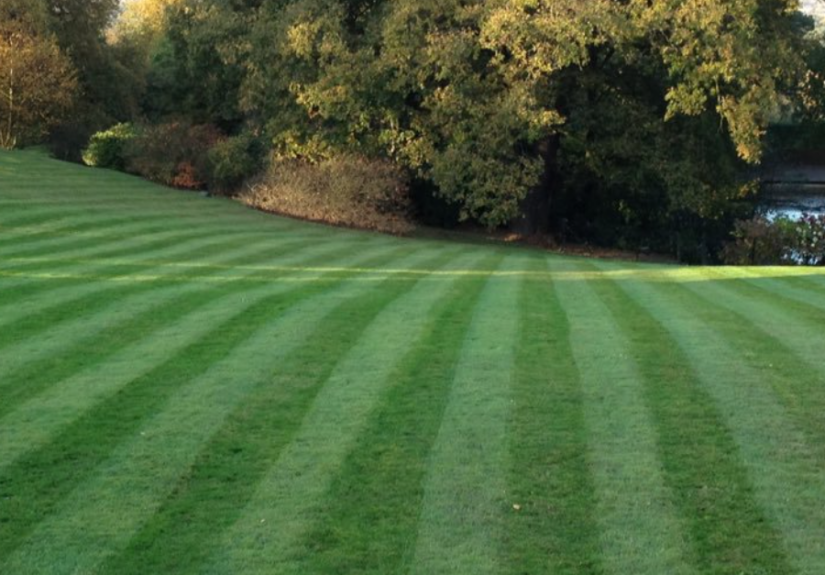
(793, 201)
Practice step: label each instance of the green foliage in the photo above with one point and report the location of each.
(232, 161)
(38, 83)
(107, 149)
(173, 154)
(626, 117)
(778, 242)
(343, 190)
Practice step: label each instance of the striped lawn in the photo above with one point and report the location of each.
(188, 386)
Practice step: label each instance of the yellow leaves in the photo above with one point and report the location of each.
(141, 18)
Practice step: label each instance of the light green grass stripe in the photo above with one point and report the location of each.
(34, 422)
(640, 532)
(788, 478)
(465, 493)
(138, 475)
(271, 527)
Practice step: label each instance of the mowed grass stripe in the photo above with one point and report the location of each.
(712, 489)
(20, 301)
(465, 492)
(34, 422)
(788, 478)
(167, 305)
(126, 299)
(781, 337)
(23, 274)
(370, 520)
(139, 368)
(57, 294)
(135, 253)
(632, 495)
(555, 528)
(798, 289)
(143, 469)
(269, 532)
(222, 480)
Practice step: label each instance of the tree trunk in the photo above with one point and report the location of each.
(534, 217)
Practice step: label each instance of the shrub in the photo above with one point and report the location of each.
(783, 241)
(106, 149)
(343, 190)
(173, 154)
(232, 161)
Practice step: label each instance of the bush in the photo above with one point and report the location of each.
(172, 154)
(232, 161)
(343, 190)
(783, 241)
(106, 149)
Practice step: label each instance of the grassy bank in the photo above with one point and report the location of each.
(189, 386)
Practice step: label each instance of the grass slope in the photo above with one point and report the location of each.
(187, 386)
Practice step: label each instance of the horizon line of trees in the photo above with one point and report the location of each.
(627, 123)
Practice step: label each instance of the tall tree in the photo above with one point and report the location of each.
(37, 81)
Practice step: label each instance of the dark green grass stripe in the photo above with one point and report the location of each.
(711, 486)
(214, 492)
(36, 483)
(372, 516)
(554, 531)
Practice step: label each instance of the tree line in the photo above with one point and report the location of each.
(630, 123)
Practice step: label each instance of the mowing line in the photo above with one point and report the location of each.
(465, 493)
(34, 422)
(30, 379)
(711, 486)
(214, 491)
(141, 472)
(288, 497)
(555, 529)
(632, 494)
(782, 337)
(370, 520)
(788, 478)
(17, 354)
(56, 295)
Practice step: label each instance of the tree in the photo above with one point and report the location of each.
(37, 81)
(479, 96)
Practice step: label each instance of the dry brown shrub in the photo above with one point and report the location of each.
(344, 190)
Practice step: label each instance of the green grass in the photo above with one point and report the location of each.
(188, 386)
